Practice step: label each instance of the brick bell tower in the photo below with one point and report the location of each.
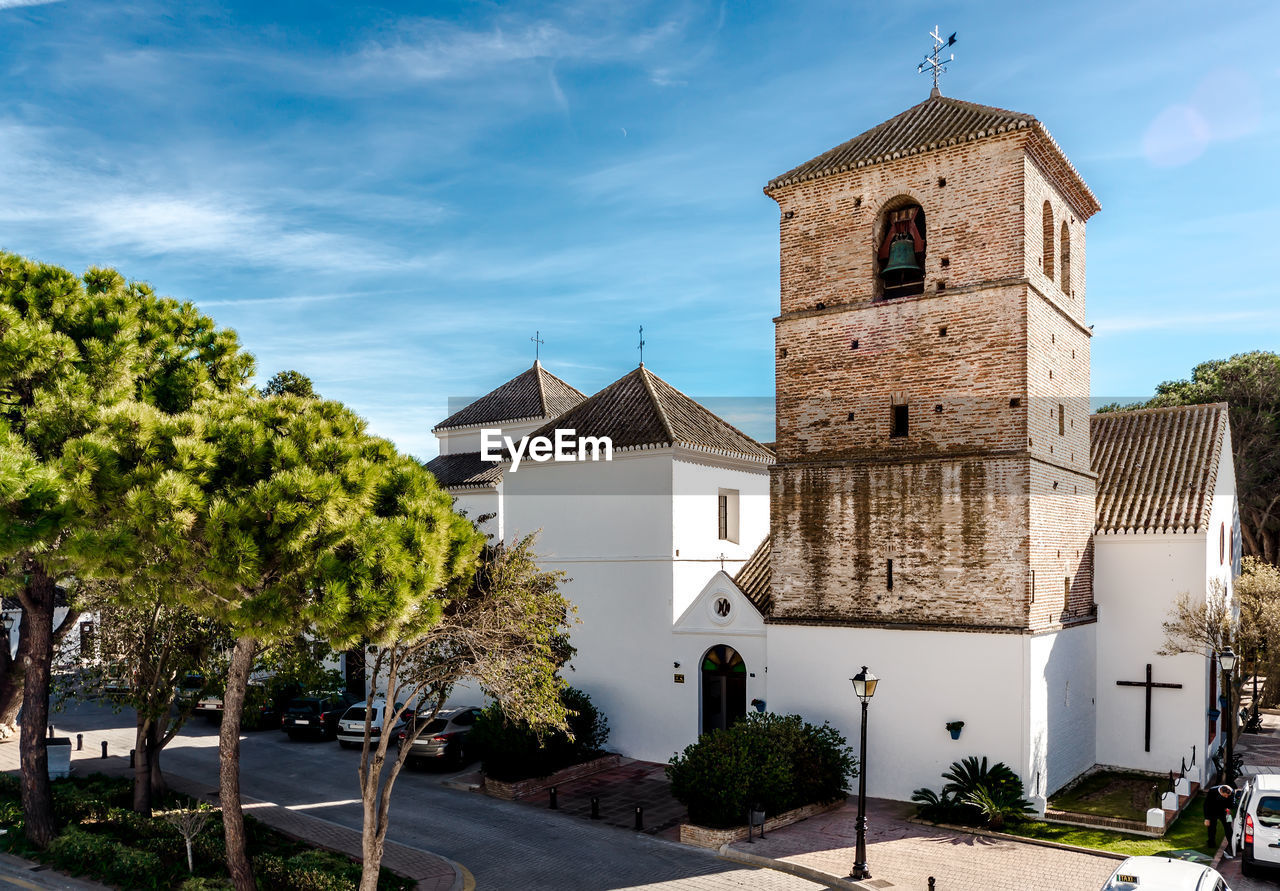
(933, 378)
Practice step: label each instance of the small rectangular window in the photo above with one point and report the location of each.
(899, 425)
(1062, 420)
(88, 647)
(888, 575)
(728, 515)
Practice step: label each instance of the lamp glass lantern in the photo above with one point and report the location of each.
(7, 622)
(1227, 659)
(864, 684)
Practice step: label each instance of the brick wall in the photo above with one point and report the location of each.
(992, 482)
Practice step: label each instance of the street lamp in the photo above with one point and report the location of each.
(1227, 659)
(864, 687)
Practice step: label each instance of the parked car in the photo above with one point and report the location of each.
(351, 725)
(1164, 874)
(443, 739)
(1257, 824)
(189, 688)
(315, 716)
(261, 708)
(116, 681)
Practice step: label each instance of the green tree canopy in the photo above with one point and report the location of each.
(293, 383)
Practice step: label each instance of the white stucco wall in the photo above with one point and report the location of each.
(1138, 578)
(696, 542)
(927, 678)
(476, 503)
(1063, 715)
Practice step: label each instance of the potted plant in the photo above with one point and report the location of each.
(954, 727)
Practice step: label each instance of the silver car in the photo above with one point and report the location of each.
(444, 739)
(351, 724)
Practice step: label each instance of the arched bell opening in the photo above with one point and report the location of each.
(724, 688)
(900, 249)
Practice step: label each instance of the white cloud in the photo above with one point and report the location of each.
(13, 4)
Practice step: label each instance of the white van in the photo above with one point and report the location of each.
(1257, 824)
(1164, 874)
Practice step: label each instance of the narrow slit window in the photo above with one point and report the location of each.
(899, 421)
(888, 574)
(1062, 420)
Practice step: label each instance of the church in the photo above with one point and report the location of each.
(939, 505)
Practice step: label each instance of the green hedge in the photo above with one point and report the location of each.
(105, 841)
(511, 751)
(779, 762)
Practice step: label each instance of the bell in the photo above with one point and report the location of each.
(902, 259)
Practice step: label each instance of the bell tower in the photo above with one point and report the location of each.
(932, 367)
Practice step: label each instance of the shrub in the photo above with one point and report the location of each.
(309, 871)
(974, 793)
(775, 761)
(81, 852)
(510, 750)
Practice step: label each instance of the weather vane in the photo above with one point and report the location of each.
(641, 347)
(537, 345)
(934, 63)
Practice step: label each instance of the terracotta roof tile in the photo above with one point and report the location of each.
(642, 410)
(533, 394)
(755, 578)
(1157, 467)
(465, 470)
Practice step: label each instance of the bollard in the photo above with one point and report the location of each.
(555, 805)
(932, 883)
(639, 819)
(50, 731)
(133, 756)
(104, 748)
(79, 742)
(595, 808)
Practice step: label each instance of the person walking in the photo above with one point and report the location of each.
(1217, 809)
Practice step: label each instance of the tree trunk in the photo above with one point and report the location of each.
(11, 685)
(159, 788)
(238, 864)
(37, 793)
(142, 767)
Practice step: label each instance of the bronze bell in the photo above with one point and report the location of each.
(902, 259)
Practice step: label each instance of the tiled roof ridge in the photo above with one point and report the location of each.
(709, 412)
(1015, 121)
(1103, 415)
(755, 577)
(645, 374)
(542, 389)
(510, 394)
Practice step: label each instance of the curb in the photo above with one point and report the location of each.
(795, 869)
(1044, 843)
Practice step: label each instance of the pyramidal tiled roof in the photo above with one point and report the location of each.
(935, 123)
(1157, 467)
(536, 393)
(755, 578)
(642, 410)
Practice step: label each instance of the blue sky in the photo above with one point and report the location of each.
(392, 199)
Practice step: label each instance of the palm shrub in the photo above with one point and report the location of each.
(778, 762)
(975, 792)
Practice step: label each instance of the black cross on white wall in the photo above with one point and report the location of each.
(1150, 685)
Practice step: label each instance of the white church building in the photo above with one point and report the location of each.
(939, 505)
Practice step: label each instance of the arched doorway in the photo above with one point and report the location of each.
(724, 688)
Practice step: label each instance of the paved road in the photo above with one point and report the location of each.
(504, 845)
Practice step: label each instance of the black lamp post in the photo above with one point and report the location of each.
(864, 687)
(1227, 659)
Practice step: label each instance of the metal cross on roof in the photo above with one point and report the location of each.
(537, 345)
(641, 347)
(933, 62)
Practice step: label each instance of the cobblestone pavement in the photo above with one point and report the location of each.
(503, 844)
(904, 855)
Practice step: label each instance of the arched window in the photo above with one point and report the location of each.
(724, 688)
(900, 249)
(1047, 220)
(1064, 258)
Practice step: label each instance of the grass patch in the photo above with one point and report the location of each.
(1110, 794)
(100, 837)
(1187, 832)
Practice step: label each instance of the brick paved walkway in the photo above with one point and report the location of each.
(904, 855)
(621, 790)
